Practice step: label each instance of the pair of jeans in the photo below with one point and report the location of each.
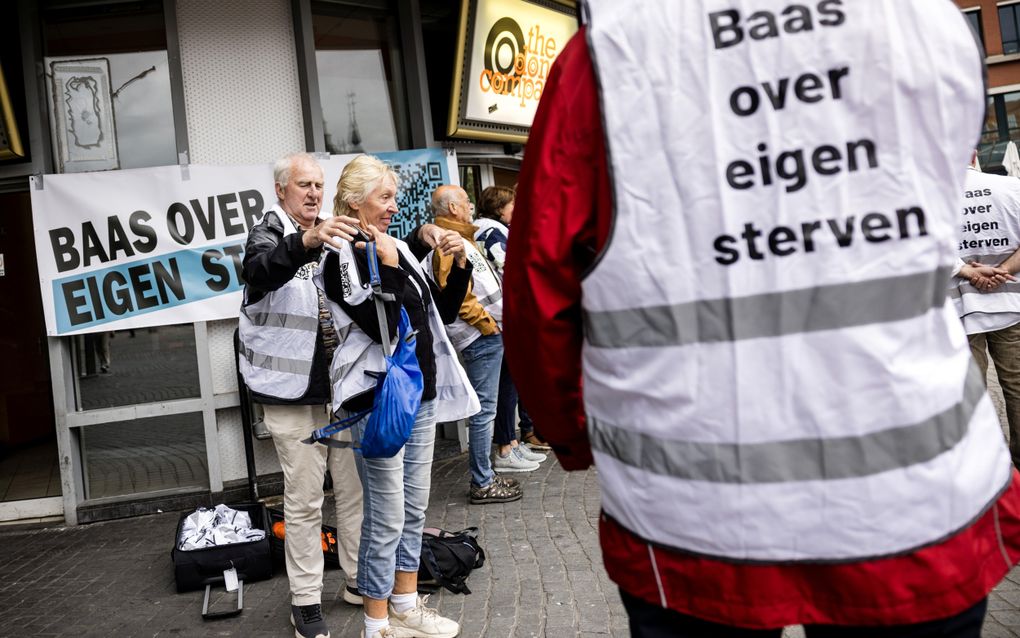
(652, 621)
(396, 493)
(482, 362)
(506, 424)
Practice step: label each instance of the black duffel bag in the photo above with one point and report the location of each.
(447, 559)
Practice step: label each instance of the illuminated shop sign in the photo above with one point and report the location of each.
(505, 52)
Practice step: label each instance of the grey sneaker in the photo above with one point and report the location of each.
(422, 621)
(529, 454)
(499, 491)
(308, 621)
(513, 462)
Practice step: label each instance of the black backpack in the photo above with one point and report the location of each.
(447, 558)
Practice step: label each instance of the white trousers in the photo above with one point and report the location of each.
(304, 468)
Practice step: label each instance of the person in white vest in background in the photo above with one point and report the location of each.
(287, 342)
(492, 217)
(735, 226)
(990, 307)
(476, 334)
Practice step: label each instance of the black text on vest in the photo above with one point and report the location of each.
(729, 28)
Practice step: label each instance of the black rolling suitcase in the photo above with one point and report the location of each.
(202, 568)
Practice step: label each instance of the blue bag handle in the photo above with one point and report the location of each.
(323, 434)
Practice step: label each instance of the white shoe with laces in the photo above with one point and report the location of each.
(513, 462)
(530, 455)
(385, 632)
(422, 622)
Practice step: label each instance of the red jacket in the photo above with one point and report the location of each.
(562, 219)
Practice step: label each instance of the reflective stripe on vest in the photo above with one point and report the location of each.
(806, 459)
(486, 288)
(278, 333)
(770, 315)
(772, 369)
(991, 233)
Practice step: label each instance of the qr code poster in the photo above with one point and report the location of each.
(421, 172)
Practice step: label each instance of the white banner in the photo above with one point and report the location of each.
(157, 246)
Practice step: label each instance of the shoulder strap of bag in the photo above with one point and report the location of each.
(375, 281)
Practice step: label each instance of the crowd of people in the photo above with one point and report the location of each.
(311, 350)
(776, 445)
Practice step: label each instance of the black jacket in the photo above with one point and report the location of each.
(404, 283)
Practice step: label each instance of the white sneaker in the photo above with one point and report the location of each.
(513, 462)
(529, 454)
(385, 632)
(349, 593)
(422, 622)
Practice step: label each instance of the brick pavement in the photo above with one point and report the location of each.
(543, 575)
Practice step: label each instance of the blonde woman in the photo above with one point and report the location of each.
(396, 490)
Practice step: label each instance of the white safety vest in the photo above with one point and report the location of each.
(991, 233)
(278, 332)
(358, 354)
(487, 226)
(486, 287)
(772, 370)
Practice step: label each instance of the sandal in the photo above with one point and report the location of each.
(499, 491)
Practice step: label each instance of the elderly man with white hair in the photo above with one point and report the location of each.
(287, 341)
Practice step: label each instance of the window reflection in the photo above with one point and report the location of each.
(1010, 28)
(471, 180)
(145, 455)
(144, 365)
(131, 36)
(974, 18)
(1012, 103)
(357, 55)
(143, 118)
(990, 132)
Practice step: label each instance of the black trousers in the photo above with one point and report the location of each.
(651, 621)
(506, 423)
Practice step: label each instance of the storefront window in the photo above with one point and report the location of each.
(361, 84)
(145, 365)
(145, 455)
(974, 18)
(471, 181)
(112, 60)
(1012, 109)
(1009, 25)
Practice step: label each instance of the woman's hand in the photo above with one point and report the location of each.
(330, 231)
(385, 247)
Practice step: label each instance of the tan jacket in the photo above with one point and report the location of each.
(471, 311)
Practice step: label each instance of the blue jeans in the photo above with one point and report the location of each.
(482, 361)
(396, 493)
(652, 621)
